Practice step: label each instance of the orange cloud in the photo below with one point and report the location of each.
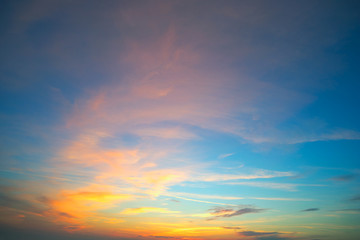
(147, 210)
(102, 197)
(86, 150)
(137, 167)
(79, 208)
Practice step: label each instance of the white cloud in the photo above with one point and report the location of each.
(272, 185)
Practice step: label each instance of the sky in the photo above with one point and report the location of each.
(183, 120)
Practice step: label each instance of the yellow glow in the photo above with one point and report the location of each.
(147, 210)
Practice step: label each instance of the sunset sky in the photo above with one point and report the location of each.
(180, 120)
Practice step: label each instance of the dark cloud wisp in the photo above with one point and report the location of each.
(231, 212)
(310, 210)
(344, 178)
(253, 233)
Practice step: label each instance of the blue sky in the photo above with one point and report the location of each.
(180, 119)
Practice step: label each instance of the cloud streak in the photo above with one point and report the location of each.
(253, 233)
(355, 198)
(310, 210)
(280, 186)
(133, 211)
(257, 174)
(204, 196)
(344, 178)
(221, 212)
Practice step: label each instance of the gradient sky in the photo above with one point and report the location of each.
(184, 120)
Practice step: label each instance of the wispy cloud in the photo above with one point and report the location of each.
(256, 174)
(281, 186)
(163, 237)
(310, 210)
(281, 199)
(205, 196)
(166, 133)
(140, 210)
(344, 178)
(262, 235)
(355, 198)
(221, 212)
(11, 202)
(253, 233)
(199, 201)
(225, 155)
(341, 134)
(348, 210)
(234, 228)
